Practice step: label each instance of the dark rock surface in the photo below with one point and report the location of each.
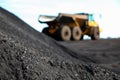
(26, 54)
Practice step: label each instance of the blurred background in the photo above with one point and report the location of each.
(106, 12)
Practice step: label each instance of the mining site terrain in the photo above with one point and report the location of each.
(26, 54)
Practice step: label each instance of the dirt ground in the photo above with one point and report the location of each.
(26, 54)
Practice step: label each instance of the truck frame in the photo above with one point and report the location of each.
(67, 27)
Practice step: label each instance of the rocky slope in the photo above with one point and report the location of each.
(26, 54)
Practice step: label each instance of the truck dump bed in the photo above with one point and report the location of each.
(63, 18)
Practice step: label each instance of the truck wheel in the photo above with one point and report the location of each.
(45, 31)
(65, 33)
(95, 33)
(76, 33)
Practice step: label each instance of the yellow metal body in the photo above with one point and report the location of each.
(92, 24)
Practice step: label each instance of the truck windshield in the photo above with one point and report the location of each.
(91, 17)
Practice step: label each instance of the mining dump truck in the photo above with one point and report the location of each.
(67, 27)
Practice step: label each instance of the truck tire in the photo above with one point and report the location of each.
(45, 31)
(95, 33)
(64, 33)
(76, 33)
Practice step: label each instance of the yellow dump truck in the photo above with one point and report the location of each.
(70, 26)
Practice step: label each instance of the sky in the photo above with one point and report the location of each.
(29, 10)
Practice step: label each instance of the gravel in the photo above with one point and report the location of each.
(26, 54)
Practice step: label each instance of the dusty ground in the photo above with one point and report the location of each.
(26, 54)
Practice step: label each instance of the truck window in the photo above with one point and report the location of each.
(91, 17)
